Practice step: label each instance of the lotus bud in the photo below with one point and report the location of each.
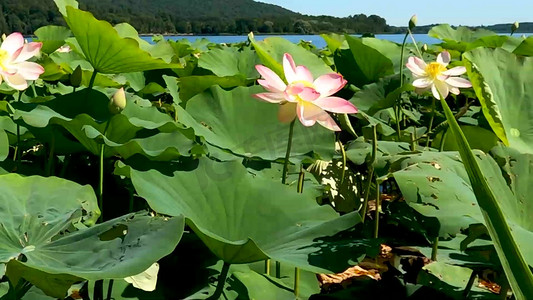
(76, 76)
(412, 22)
(425, 48)
(515, 27)
(117, 102)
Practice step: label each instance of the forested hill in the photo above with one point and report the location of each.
(188, 16)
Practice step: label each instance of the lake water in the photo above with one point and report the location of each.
(317, 40)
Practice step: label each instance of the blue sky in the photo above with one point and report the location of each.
(455, 12)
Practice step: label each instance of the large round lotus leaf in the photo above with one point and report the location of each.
(452, 280)
(461, 34)
(230, 62)
(236, 121)
(513, 191)
(503, 84)
(88, 120)
(244, 218)
(436, 185)
(362, 64)
(103, 47)
(38, 239)
(272, 50)
(52, 37)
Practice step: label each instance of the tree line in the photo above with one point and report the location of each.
(189, 17)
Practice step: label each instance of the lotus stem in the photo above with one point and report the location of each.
(443, 140)
(397, 106)
(343, 152)
(110, 289)
(288, 153)
(98, 293)
(50, 162)
(370, 172)
(300, 190)
(431, 122)
(101, 176)
(296, 282)
(378, 204)
(284, 176)
(470, 284)
(17, 157)
(435, 249)
(93, 78)
(221, 282)
(267, 267)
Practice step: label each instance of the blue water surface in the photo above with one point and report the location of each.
(317, 40)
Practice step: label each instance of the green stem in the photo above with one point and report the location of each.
(93, 77)
(431, 122)
(443, 140)
(17, 149)
(66, 162)
(110, 289)
(267, 267)
(98, 293)
(300, 190)
(288, 153)
(221, 282)
(101, 176)
(343, 152)
(469, 285)
(301, 177)
(397, 105)
(130, 208)
(296, 282)
(371, 171)
(513, 262)
(435, 249)
(378, 204)
(416, 46)
(413, 140)
(284, 176)
(50, 162)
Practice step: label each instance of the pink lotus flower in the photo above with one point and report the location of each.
(436, 76)
(304, 97)
(14, 68)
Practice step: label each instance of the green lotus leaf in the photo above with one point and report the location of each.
(478, 138)
(194, 85)
(452, 280)
(271, 51)
(52, 37)
(161, 146)
(161, 49)
(389, 49)
(4, 145)
(462, 34)
(436, 185)
(507, 99)
(525, 48)
(236, 121)
(87, 122)
(244, 218)
(39, 242)
(229, 61)
(103, 47)
(362, 64)
(379, 95)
